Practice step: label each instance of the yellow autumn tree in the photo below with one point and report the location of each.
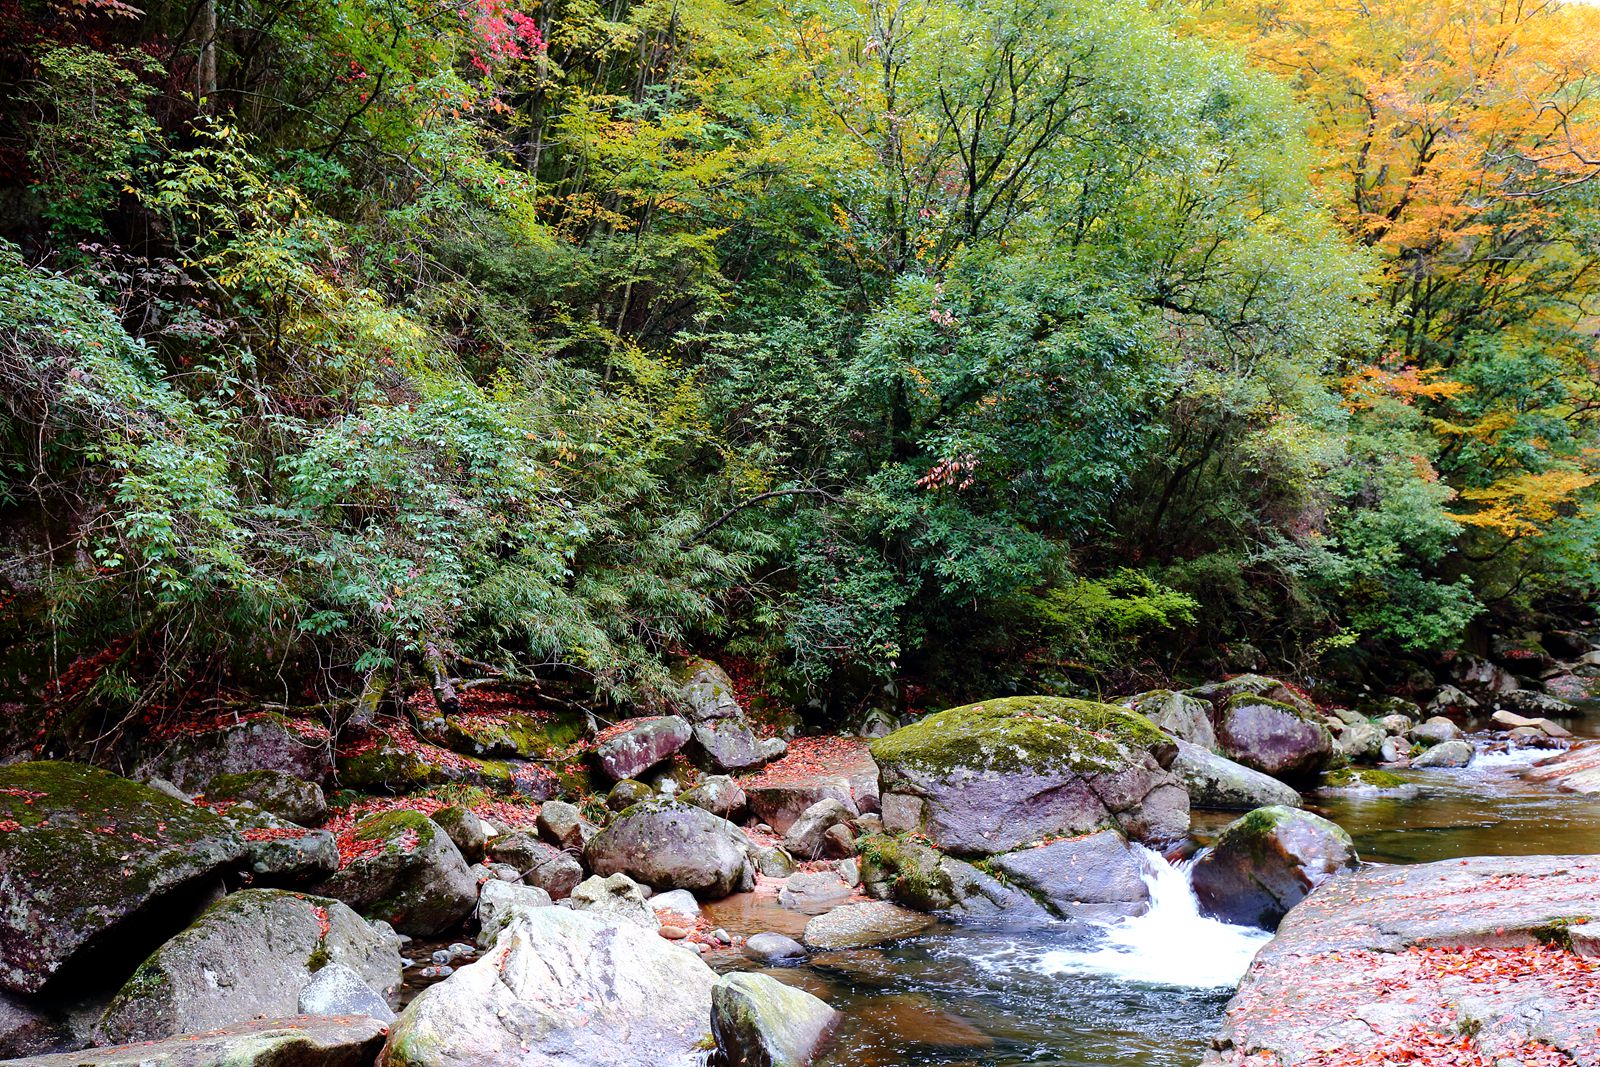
(1461, 141)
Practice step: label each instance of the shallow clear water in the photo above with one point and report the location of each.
(1145, 992)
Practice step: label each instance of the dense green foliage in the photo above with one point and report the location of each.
(971, 342)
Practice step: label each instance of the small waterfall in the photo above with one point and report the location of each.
(1172, 944)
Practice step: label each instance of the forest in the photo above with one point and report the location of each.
(894, 350)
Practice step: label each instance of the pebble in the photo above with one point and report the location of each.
(441, 956)
(674, 933)
(460, 949)
(721, 936)
(444, 971)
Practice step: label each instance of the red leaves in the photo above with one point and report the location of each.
(811, 757)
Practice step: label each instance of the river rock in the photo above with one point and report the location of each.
(635, 745)
(1217, 694)
(705, 691)
(1220, 784)
(1395, 725)
(1183, 715)
(814, 892)
(858, 925)
(563, 825)
(1576, 770)
(465, 830)
(407, 872)
(616, 899)
(1435, 731)
(1361, 742)
(562, 988)
(771, 948)
(300, 1041)
(718, 794)
(991, 777)
(83, 852)
(1373, 960)
(1449, 754)
(293, 799)
(1265, 863)
(806, 838)
(394, 762)
(758, 1021)
(1093, 877)
(542, 865)
(279, 853)
(815, 769)
(1383, 707)
(668, 845)
(626, 793)
(1450, 700)
(1478, 676)
(339, 990)
(499, 902)
(251, 741)
(731, 745)
(1527, 702)
(1273, 737)
(1395, 750)
(247, 957)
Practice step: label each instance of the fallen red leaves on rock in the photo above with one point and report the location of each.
(810, 757)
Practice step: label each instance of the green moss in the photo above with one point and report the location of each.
(1020, 733)
(320, 957)
(910, 871)
(1355, 777)
(1558, 933)
(389, 826)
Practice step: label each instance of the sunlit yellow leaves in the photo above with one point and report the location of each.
(1524, 505)
(1368, 385)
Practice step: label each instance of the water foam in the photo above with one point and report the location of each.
(1172, 944)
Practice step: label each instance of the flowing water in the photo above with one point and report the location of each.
(1148, 991)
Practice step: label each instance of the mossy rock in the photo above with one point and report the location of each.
(295, 799)
(88, 859)
(512, 735)
(391, 767)
(1012, 734)
(990, 777)
(259, 740)
(1363, 778)
(1265, 863)
(401, 867)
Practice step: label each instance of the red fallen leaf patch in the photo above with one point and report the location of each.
(811, 757)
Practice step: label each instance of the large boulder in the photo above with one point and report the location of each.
(705, 691)
(541, 865)
(499, 902)
(912, 874)
(860, 925)
(718, 794)
(464, 829)
(28, 1030)
(280, 853)
(92, 861)
(807, 838)
(1220, 784)
(633, 746)
(990, 777)
(190, 755)
(293, 799)
(668, 845)
(1478, 676)
(1528, 702)
(1265, 863)
(731, 745)
(1467, 961)
(298, 1041)
(1576, 770)
(562, 989)
(1361, 742)
(1092, 877)
(340, 990)
(1183, 715)
(616, 899)
(247, 957)
(1273, 737)
(563, 825)
(757, 1021)
(401, 867)
(394, 761)
(1451, 755)
(1217, 694)
(1435, 731)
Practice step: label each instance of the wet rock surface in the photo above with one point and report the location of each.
(1093, 877)
(1472, 957)
(300, 1041)
(1265, 863)
(668, 845)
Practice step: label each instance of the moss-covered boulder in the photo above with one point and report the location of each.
(669, 845)
(991, 777)
(718, 794)
(758, 1021)
(705, 692)
(295, 799)
(281, 853)
(465, 830)
(401, 867)
(248, 957)
(90, 861)
(1183, 715)
(244, 741)
(562, 988)
(909, 873)
(396, 763)
(537, 735)
(1274, 737)
(300, 1040)
(1266, 862)
(1365, 780)
(1219, 693)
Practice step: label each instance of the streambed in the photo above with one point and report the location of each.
(1146, 992)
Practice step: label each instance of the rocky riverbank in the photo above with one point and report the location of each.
(260, 886)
